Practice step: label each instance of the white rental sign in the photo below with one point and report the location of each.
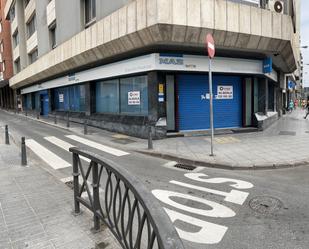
(61, 98)
(225, 92)
(134, 98)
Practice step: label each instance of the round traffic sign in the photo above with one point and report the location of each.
(210, 45)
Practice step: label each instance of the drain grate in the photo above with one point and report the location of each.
(184, 166)
(287, 133)
(266, 205)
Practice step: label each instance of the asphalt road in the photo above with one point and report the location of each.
(211, 208)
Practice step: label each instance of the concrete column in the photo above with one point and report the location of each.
(275, 99)
(153, 96)
(88, 104)
(266, 96)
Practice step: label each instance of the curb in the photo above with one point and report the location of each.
(227, 166)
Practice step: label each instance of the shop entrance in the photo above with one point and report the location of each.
(193, 102)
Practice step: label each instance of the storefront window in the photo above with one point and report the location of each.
(134, 95)
(71, 98)
(107, 96)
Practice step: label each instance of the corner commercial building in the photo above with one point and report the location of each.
(7, 95)
(125, 64)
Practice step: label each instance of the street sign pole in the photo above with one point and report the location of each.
(210, 44)
(211, 110)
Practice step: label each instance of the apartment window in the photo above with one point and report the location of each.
(1, 47)
(12, 13)
(33, 56)
(0, 27)
(3, 66)
(17, 65)
(31, 26)
(52, 37)
(15, 39)
(90, 11)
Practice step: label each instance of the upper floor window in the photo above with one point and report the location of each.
(90, 11)
(33, 56)
(15, 39)
(0, 27)
(26, 3)
(1, 47)
(12, 13)
(31, 26)
(17, 65)
(52, 36)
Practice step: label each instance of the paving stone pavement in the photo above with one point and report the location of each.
(284, 144)
(36, 210)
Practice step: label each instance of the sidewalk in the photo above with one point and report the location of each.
(284, 144)
(36, 209)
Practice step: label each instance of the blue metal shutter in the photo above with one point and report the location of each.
(193, 109)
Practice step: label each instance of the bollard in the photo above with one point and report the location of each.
(68, 120)
(85, 127)
(38, 115)
(23, 152)
(26, 113)
(7, 137)
(150, 145)
(55, 119)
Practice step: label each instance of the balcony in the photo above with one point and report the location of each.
(32, 43)
(29, 10)
(51, 12)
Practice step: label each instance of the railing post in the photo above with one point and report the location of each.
(68, 120)
(7, 137)
(150, 145)
(85, 127)
(23, 152)
(76, 183)
(96, 197)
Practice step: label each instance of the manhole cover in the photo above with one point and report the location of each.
(123, 141)
(184, 166)
(265, 205)
(287, 133)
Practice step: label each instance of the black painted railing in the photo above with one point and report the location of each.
(122, 202)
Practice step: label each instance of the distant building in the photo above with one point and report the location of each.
(7, 96)
(124, 64)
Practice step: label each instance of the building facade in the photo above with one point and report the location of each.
(7, 96)
(124, 65)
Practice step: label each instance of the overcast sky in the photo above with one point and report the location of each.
(305, 38)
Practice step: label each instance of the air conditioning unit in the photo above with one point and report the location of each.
(276, 6)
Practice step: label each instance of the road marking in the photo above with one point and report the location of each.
(217, 210)
(98, 146)
(208, 233)
(63, 145)
(235, 196)
(238, 184)
(46, 155)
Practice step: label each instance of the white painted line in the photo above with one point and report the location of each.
(98, 146)
(46, 155)
(235, 196)
(63, 145)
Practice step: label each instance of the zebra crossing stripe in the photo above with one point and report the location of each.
(46, 155)
(63, 145)
(98, 146)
